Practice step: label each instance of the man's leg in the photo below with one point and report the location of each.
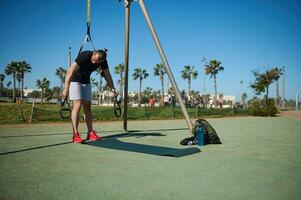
(88, 115)
(75, 115)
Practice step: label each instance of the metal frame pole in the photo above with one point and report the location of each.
(165, 62)
(127, 4)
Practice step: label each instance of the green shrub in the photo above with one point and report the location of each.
(262, 108)
(47, 112)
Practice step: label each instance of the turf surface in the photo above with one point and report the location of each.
(260, 158)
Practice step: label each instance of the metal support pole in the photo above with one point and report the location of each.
(126, 62)
(165, 62)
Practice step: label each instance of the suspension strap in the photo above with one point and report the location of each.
(88, 12)
(88, 36)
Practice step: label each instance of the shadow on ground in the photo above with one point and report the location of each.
(35, 148)
(111, 142)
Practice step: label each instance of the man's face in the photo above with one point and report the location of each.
(96, 59)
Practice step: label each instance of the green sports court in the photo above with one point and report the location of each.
(259, 159)
(108, 100)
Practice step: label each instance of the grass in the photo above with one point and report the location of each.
(9, 113)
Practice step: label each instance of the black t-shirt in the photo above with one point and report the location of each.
(86, 67)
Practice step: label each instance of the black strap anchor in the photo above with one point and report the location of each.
(117, 109)
(65, 110)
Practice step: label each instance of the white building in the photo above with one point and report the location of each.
(27, 91)
(228, 99)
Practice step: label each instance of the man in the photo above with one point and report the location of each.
(77, 85)
(152, 101)
(166, 100)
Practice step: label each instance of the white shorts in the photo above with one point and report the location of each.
(79, 91)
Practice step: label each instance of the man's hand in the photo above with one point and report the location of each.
(65, 93)
(114, 93)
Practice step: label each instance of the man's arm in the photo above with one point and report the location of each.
(109, 80)
(73, 68)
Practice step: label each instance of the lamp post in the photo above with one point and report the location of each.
(69, 56)
(283, 87)
(297, 102)
(203, 60)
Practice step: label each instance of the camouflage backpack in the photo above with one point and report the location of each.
(210, 135)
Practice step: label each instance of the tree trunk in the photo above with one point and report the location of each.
(241, 99)
(162, 85)
(189, 86)
(19, 88)
(162, 90)
(222, 101)
(266, 97)
(22, 86)
(108, 98)
(215, 91)
(100, 91)
(277, 93)
(139, 96)
(121, 85)
(62, 85)
(168, 84)
(14, 87)
(1, 88)
(42, 96)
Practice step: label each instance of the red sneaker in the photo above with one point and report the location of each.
(76, 138)
(93, 136)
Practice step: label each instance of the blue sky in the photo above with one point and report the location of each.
(243, 35)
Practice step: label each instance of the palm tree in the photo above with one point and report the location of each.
(262, 82)
(159, 70)
(106, 88)
(18, 78)
(276, 74)
(140, 74)
(206, 99)
(93, 83)
(119, 69)
(11, 69)
(241, 82)
(100, 88)
(2, 77)
(148, 92)
(8, 84)
(244, 97)
(61, 73)
(43, 85)
(56, 91)
(221, 98)
(213, 68)
(23, 68)
(194, 94)
(189, 73)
